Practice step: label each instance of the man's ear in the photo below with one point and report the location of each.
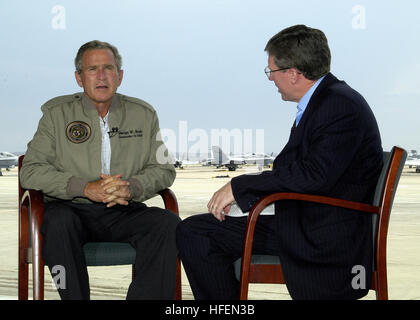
(294, 75)
(121, 73)
(78, 79)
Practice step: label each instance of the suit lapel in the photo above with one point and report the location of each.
(296, 133)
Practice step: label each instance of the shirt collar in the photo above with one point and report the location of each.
(303, 103)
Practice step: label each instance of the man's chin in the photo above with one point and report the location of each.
(101, 98)
(285, 98)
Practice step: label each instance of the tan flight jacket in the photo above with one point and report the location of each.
(65, 152)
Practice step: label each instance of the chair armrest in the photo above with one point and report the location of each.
(34, 200)
(169, 200)
(267, 200)
(31, 218)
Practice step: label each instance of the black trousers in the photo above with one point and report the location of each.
(208, 248)
(68, 226)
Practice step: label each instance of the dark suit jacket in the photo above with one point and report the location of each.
(334, 151)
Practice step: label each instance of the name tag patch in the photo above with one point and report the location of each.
(135, 133)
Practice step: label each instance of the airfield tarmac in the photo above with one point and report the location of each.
(193, 187)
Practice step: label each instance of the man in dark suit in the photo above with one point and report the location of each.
(335, 150)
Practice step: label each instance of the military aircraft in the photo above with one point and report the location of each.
(181, 162)
(221, 159)
(7, 160)
(259, 158)
(232, 162)
(413, 162)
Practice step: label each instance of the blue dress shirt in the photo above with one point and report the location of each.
(303, 103)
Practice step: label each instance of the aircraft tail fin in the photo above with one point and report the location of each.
(219, 155)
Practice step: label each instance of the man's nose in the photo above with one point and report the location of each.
(100, 74)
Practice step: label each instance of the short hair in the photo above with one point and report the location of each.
(303, 48)
(96, 44)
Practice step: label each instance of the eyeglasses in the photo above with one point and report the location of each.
(268, 71)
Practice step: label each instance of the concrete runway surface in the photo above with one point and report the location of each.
(193, 187)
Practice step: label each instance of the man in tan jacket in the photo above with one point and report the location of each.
(96, 156)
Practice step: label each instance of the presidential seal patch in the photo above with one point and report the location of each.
(78, 131)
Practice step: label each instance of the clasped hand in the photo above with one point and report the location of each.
(111, 190)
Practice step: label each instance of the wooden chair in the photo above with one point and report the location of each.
(267, 269)
(31, 211)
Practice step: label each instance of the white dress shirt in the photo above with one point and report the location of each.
(106, 145)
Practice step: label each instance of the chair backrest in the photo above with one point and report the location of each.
(20, 189)
(381, 181)
(385, 192)
(388, 156)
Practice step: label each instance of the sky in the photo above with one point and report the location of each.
(200, 63)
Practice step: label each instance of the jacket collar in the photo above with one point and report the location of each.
(88, 104)
(318, 95)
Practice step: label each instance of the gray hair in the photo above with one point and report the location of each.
(303, 48)
(96, 44)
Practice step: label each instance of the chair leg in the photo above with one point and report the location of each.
(37, 271)
(23, 267)
(380, 295)
(382, 291)
(23, 280)
(382, 280)
(38, 280)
